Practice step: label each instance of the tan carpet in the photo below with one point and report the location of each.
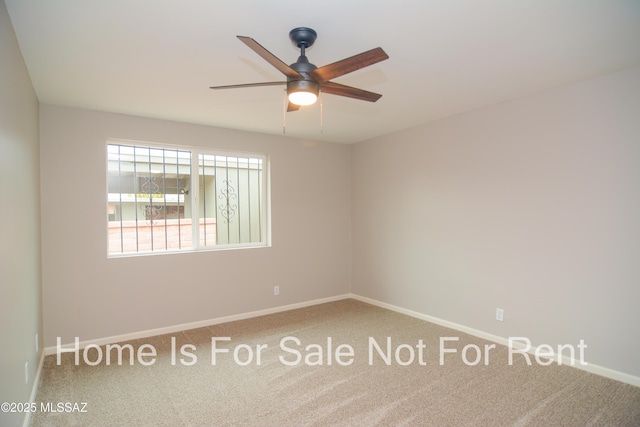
(362, 393)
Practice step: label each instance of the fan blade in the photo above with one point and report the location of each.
(348, 65)
(348, 91)
(248, 85)
(292, 107)
(270, 57)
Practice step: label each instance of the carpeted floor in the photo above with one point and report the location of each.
(302, 382)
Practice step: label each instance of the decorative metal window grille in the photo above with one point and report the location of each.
(159, 202)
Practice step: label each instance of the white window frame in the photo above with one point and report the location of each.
(265, 198)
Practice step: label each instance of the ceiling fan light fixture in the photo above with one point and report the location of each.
(303, 98)
(302, 92)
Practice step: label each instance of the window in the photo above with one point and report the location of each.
(169, 199)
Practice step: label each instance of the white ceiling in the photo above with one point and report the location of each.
(157, 58)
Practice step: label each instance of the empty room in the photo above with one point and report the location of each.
(339, 213)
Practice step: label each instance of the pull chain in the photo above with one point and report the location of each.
(284, 113)
(321, 113)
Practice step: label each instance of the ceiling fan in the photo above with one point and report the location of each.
(304, 79)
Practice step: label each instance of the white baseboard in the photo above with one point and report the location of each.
(193, 325)
(589, 367)
(34, 388)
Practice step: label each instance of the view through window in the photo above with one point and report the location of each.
(169, 199)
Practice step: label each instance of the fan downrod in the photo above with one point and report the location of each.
(303, 37)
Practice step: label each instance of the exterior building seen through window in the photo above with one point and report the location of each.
(173, 199)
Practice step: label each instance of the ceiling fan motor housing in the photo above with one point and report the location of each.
(303, 67)
(302, 86)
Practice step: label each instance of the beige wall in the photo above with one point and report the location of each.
(532, 206)
(20, 287)
(91, 296)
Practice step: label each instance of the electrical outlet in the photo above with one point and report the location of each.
(276, 290)
(26, 372)
(500, 314)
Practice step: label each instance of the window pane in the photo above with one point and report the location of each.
(147, 207)
(230, 200)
